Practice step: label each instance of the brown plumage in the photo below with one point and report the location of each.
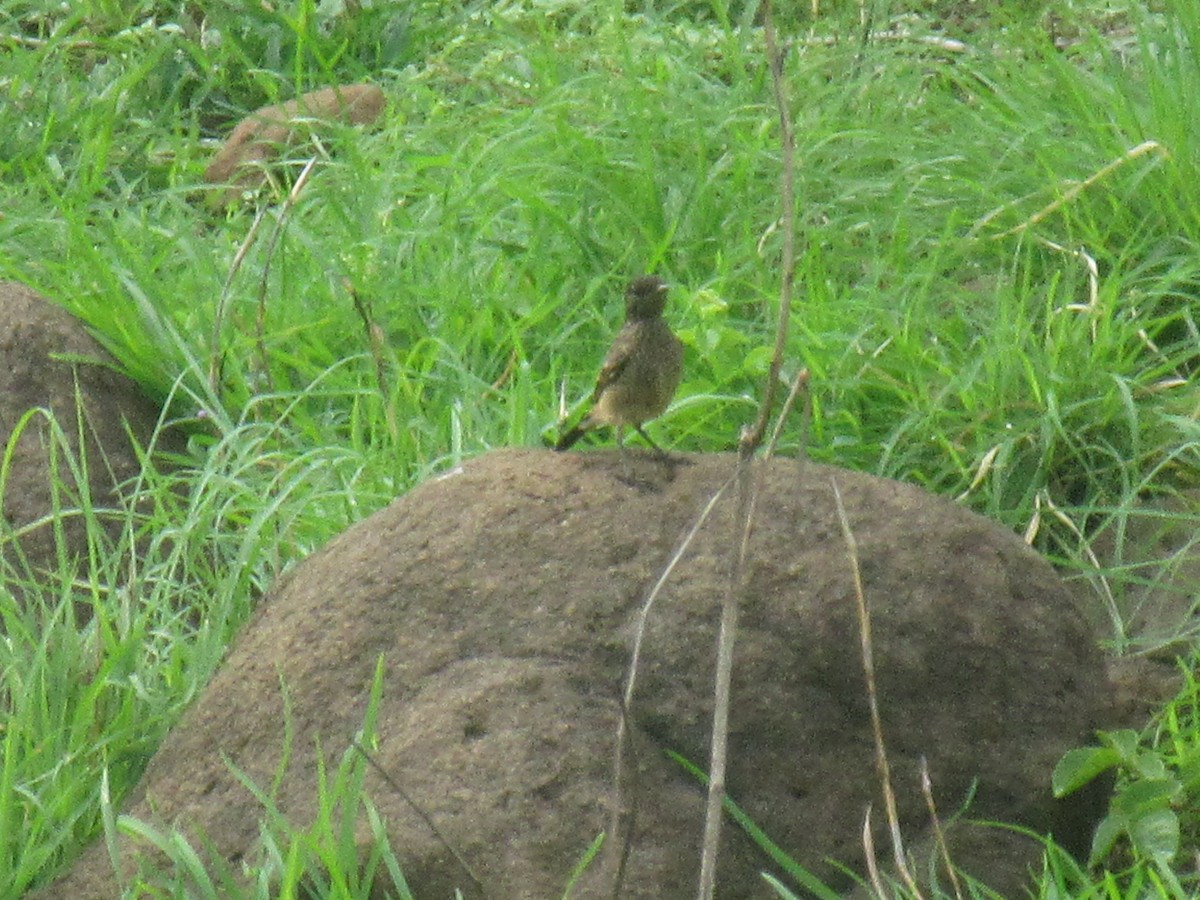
(640, 372)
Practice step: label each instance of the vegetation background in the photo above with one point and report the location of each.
(999, 215)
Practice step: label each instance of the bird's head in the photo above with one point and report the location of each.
(645, 297)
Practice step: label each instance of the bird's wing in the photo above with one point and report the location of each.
(617, 359)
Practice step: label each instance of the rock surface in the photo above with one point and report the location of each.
(502, 600)
(241, 160)
(48, 361)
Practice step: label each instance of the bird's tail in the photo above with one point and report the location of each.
(567, 440)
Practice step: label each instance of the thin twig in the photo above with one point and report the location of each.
(882, 766)
(752, 437)
(865, 22)
(424, 816)
(749, 441)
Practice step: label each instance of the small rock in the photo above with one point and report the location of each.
(258, 138)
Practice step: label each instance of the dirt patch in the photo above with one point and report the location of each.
(503, 599)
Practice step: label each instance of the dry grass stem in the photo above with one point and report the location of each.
(938, 834)
(504, 376)
(1073, 190)
(1042, 500)
(750, 440)
(723, 683)
(623, 818)
(868, 843)
(644, 613)
(981, 472)
(377, 341)
(260, 318)
(950, 45)
(883, 768)
(1092, 307)
(799, 383)
(619, 836)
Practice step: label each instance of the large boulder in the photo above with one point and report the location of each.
(65, 412)
(503, 599)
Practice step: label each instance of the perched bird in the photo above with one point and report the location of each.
(640, 372)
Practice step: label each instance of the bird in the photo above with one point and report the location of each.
(641, 371)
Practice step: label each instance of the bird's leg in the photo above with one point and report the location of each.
(622, 454)
(661, 452)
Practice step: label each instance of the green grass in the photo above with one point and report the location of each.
(529, 163)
